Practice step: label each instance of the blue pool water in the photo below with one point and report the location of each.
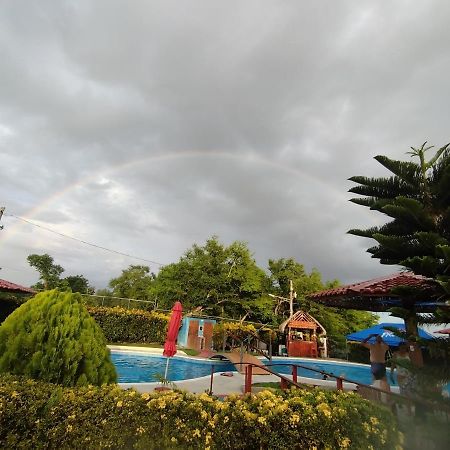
(355, 372)
(144, 368)
(141, 367)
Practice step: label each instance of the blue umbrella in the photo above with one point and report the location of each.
(388, 336)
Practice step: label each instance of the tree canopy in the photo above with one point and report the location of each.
(50, 276)
(221, 280)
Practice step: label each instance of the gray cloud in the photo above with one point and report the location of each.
(148, 126)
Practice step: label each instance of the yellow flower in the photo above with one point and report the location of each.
(374, 421)
(262, 420)
(173, 439)
(345, 443)
(204, 415)
(226, 419)
(211, 423)
(295, 418)
(145, 396)
(140, 430)
(119, 404)
(324, 409)
(69, 428)
(196, 433)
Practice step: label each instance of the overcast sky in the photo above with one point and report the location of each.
(148, 126)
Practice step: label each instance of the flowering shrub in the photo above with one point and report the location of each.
(130, 325)
(36, 414)
(232, 330)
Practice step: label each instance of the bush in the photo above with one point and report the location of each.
(53, 338)
(130, 325)
(36, 415)
(10, 302)
(234, 333)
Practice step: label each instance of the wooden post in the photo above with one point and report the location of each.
(283, 384)
(339, 384)
(294, 374)
(248, 379)
(212, 379)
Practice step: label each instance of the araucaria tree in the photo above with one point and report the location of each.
(53, 338)
(417, 198)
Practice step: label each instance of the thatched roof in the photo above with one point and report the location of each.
(305, 319)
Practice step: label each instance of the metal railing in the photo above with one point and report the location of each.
(369, 392)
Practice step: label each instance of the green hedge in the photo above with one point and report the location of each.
(130, 325)
(40, 415)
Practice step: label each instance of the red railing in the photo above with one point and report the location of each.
(361, 388)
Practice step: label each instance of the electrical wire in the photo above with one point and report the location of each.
(84, 242)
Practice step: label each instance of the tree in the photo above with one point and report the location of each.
(53, 338)
(221, 280)
(134, 282)
(417, 199)
(337, 322)
(49, 272)
(77, 283)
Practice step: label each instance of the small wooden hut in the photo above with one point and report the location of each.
(305, 336)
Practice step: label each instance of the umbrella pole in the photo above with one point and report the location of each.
(167, 369)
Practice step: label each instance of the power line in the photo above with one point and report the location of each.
(84, 242)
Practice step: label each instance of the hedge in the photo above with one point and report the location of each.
(41, 415)
(130, 325)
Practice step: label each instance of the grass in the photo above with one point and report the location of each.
(271, 384)
(149, 345)
(188, 351)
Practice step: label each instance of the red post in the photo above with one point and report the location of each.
(212, 379)
(339, 385)
(294, 374)
(283, 384)
(248, 378)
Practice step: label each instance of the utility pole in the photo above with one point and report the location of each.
(292, 295)
(2, 209)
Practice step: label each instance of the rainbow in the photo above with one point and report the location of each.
(249, 158)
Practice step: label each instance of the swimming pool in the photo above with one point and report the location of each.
(145, 368)
(140, 367)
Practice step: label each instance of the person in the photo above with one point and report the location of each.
(378, 360)
(405, 379)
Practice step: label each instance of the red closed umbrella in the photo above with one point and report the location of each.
(170, 347)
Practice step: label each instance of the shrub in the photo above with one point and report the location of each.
(36, 414)
(130, 325)
(234, 332)
(53, 338)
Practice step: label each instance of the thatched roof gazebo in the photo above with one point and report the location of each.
(305, 336)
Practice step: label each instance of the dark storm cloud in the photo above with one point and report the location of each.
(148, 126)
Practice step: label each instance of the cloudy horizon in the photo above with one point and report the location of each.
(146, 127)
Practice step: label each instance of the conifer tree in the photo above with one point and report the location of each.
(53, 338)
(417, 199)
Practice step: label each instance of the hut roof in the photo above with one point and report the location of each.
(376, 294)
(7, 286)
(302, 317)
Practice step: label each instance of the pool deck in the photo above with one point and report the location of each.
(222, 385)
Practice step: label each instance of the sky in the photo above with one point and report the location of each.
(148, 126)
